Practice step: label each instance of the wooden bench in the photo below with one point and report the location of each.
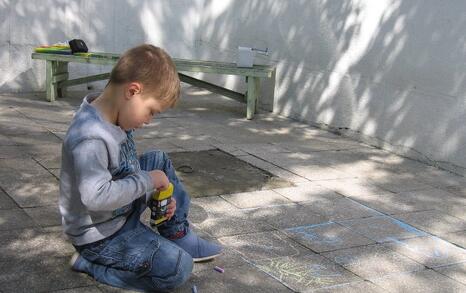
(57, 75)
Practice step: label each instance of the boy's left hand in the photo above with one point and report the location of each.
(171, 209)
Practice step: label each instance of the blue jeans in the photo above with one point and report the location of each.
(135, 257)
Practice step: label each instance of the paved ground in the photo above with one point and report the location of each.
(356, 218)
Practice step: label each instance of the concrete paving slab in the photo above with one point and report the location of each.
(21, 167)
(339, 158)
(6, 202)
(32, 192)
(340, 209)
(286, 216)
(431, 251)
(306, 272)
(356, 287)
(400, 182)
(228, 259)
(6, 141)
(354, 187)
(420, 282)
(13, 152)
(326, 237)
(47, 275)
(202, 208)
(45, 137)
(317, 145)
(192, 146)
(33, 245)
(231, 223)
(434, 222)
(308, 191)
(256, 199)
(257, 246)
(146, 145)
(11, 124)
(435, 196)
(391, 203)
(458, 238)
(400, 164)
(274, 169)
(382, 228)
(457, 190)
(109, 289)
(15, 219)
(261, 149)
(90, 289)
(440, 178)
(60, 134)
(247, 279)
(45, 216)
(360, 168)
(456, 272)
(45, 149)
(25, 151)
(320, 173)
(311, 170)
(450, 207)
(49, 161)
(373, 261)
(86, 289)
(55, 172)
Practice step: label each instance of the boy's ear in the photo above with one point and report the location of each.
(133, 88)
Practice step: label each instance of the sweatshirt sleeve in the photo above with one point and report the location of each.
(94, 181)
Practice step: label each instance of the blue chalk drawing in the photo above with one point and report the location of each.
(408, 228)
(436, 253)
(307, 233)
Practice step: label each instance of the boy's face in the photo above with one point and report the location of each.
(139, 109)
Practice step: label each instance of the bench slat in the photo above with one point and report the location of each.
(213, 88)
(181, 64)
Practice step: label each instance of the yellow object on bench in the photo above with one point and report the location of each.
(57, 75)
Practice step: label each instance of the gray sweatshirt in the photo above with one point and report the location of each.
(100, 176)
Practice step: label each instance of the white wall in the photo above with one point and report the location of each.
(390, 72)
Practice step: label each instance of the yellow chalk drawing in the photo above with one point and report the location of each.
(306, 274)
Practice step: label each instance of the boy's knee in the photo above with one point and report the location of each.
(185, 269)
(172, 266)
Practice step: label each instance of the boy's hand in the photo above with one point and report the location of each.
(171, 208)
(159, 179)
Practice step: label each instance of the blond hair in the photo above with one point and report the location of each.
(151, 66)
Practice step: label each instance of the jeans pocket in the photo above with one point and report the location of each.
(130, 251)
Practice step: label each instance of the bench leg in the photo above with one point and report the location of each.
(51, 87)
(252, 96)
(62, 71)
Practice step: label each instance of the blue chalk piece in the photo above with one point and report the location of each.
(194, 289)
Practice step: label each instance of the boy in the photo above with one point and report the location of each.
(104, 186)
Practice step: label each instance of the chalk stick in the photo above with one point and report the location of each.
(219, 269)
(194, 289)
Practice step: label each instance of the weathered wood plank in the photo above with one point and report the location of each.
(213, 88)
(213, 67)
(86, 79)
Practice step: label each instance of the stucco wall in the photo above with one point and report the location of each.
(390, 72)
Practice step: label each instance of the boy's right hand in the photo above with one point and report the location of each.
(159, 179)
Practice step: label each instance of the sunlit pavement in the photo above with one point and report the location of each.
(353, 218)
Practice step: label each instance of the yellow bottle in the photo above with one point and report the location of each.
(160, 201)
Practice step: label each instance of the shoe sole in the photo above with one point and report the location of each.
(202, 259)
(73, 260)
